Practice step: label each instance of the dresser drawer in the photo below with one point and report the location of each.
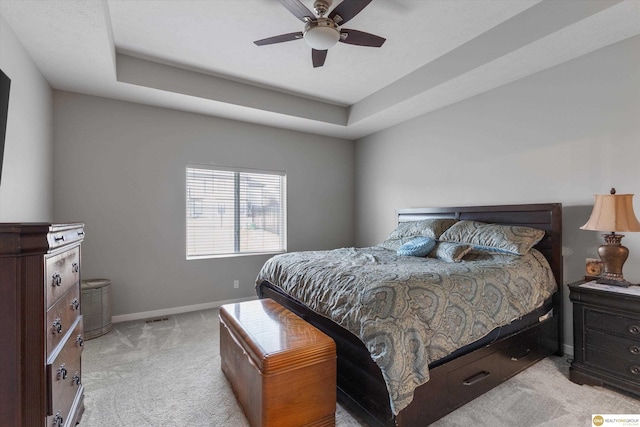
(61, 317)
(621, 347)
(61, 273)
(623, 326)
(628, 367)
(64, 376)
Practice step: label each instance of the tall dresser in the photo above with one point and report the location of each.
(40, 325)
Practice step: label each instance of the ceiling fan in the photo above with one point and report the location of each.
(322, 32)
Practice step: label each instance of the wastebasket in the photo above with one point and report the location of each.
(95, 307)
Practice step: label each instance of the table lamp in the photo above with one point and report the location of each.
(613, 212)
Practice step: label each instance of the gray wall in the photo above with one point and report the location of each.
(120, 168)
(560, 135)
(26, 189)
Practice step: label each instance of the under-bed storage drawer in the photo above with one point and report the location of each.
(520, 352)
(473, 379)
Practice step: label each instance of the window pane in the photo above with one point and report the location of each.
(232, 211)
(261, 219)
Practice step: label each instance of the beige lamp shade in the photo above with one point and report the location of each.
(612, 212)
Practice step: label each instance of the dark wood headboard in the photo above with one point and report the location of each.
(544, 216)
(547, 217)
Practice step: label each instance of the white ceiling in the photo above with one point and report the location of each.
(199, 56)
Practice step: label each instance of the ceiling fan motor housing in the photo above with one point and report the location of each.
(321, 33)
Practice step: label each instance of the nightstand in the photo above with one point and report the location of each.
(606, 336)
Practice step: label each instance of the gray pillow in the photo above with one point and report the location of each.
(512, 239)
(405, 231)
(450, 252)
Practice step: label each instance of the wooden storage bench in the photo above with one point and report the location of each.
(281, 368)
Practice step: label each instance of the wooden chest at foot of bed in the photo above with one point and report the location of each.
(281, 368)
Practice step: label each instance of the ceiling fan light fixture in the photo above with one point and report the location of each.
(321, 34)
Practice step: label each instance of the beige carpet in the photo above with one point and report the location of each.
(168, 373)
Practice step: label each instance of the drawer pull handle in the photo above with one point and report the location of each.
(80, 341)
(59, 239)
(522, 356)
(80, 233)
(56, 279)
(635, 370)
(634, 349)
(76, 379)
(75, 304)
(62, 372)
(476, 378)
(75, 267)
(634, 329)
(57, 326)
(58, 420)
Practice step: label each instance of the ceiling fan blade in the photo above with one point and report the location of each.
(347, 10)
(279, 39)
(318, 57)
(361, 38)
(299, 10)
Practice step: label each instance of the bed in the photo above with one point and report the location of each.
(456, 376)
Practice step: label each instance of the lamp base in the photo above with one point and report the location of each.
(613, 256)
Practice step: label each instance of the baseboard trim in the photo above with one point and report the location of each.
(175, 310)
(568, 350)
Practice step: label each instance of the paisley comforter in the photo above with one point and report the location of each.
(411, 311)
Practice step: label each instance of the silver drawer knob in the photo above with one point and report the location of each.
(635, 370)
(62, 372)
(56, 279)
(58, 420)
(634, 349)
(57, 326)
(634, 329)
(76, 379)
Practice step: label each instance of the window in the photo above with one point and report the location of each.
(235, 211)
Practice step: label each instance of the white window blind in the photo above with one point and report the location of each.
(235, 211)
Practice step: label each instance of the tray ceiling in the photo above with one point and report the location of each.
(199, 56)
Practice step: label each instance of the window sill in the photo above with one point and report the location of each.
(244, 254)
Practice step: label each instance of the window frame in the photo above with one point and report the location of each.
(193, 207)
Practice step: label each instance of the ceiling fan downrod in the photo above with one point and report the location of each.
(321, 7)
